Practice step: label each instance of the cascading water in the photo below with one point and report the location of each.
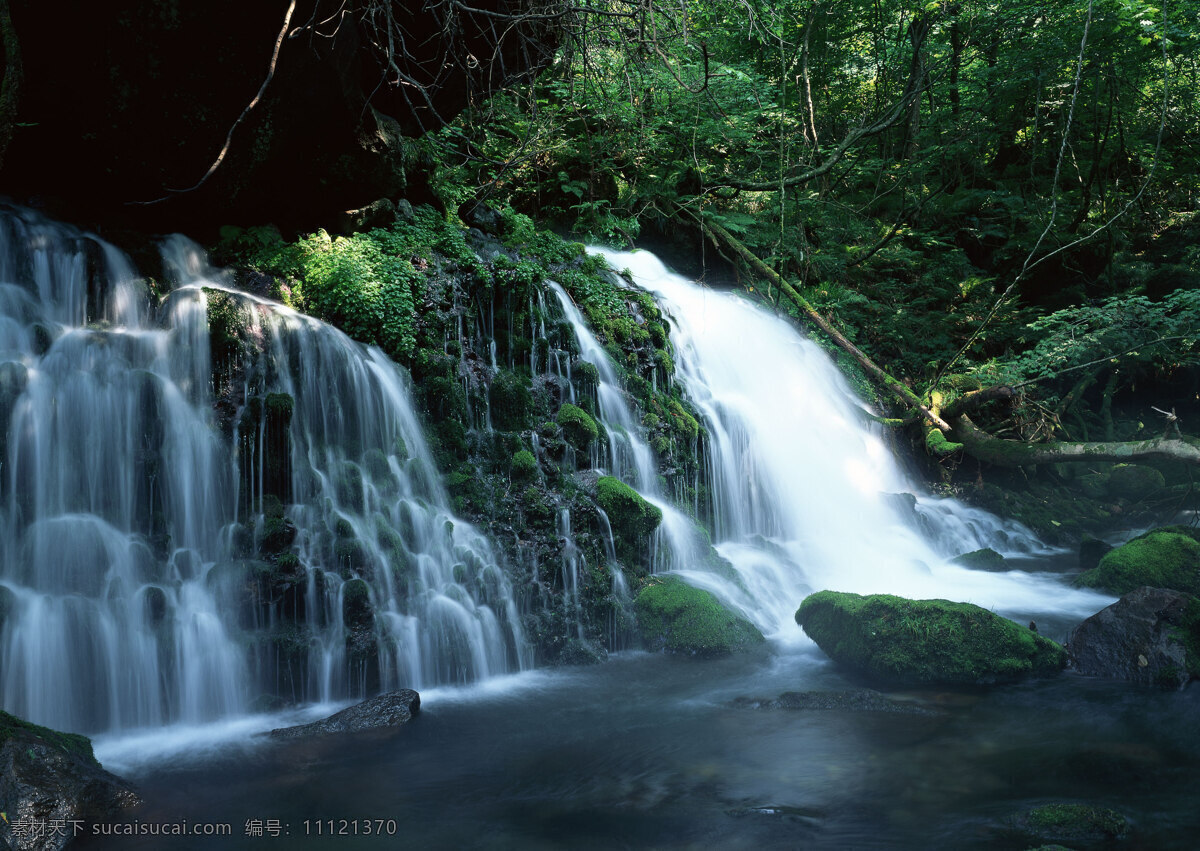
(802, 491)
(125, 563)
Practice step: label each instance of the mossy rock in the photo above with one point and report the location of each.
(679, 618)
(356, 605)
(901, 642)
(632, 518)
(1134, 481)
(1162, 558)
(985, 559)
(73, 744)
(1074, 823)
(523, 467)
(578, 426)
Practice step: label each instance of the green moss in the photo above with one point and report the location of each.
(917, 642)
(985, 559)
(578, 426)
(1076, 822)
(676, 617)
(631, 516)
(73, 744)
(523, 467)
(1160, 559)
(511, 402)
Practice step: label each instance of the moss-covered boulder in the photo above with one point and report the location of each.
(632, 518)
(985, 559)
(1134, 481)
(1162, 558)
(578, 427)
(523, 467)
(1075, 823)
(678, 618)
(901, 642)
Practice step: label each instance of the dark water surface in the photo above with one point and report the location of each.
(650, 752)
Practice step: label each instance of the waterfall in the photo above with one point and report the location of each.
(143, 468)
(802, 490)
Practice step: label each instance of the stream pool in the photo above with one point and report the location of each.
(649, 751)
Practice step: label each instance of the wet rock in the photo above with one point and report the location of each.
(985, 559)
(904, 642)
(377, 713)
(857, 700)
(1143, 638)
(49, 776)
(1091, 551)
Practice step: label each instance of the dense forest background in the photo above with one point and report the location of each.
(986, 211)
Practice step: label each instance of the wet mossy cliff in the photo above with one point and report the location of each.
(509, 409)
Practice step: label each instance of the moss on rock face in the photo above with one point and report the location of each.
(676, 617)
(903, 642)
(1162, 558)
(12, 727)
(632, 518)
(578, 426)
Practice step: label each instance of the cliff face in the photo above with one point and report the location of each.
(119, 108)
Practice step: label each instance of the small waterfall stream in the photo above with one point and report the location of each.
(802, 490)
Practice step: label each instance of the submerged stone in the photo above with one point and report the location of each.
(679, 618)
(903, 642)
(1162, 558)
(855, 700)
(377, 713)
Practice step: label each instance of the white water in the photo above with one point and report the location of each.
(799, 485)
(120, 496)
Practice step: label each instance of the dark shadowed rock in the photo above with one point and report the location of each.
(377, 713)
(47, 776)
(1091, 550)
(1143, 637)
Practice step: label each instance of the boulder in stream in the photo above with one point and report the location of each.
(679, 618)
(900, 642)
(1144, 637)
(376, 713)
(1168, 557)
(47, 779)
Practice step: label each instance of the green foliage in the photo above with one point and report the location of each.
(922, 642)
(678, 618)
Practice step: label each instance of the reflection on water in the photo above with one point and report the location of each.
(651, 752)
